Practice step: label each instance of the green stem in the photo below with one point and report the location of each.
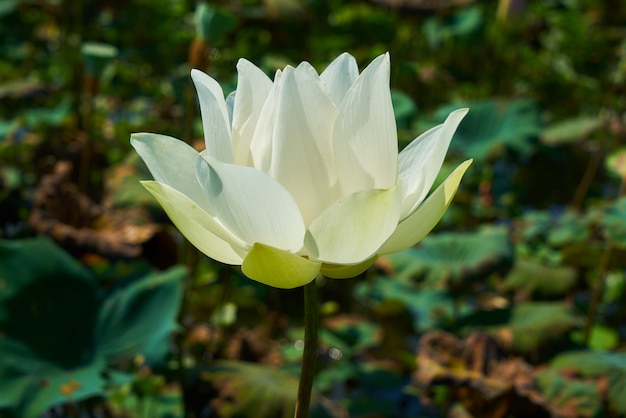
(311, 326)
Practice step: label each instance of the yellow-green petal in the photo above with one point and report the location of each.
(339, 271)
(196, 225)
(354, 228)
(278, 268)
(417, 225)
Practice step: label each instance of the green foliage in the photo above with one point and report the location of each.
(457, 259)
(570, 130)
(492, 124)
(612, 366)
(252, 389)
(533, 277)
(212, 25)
(59, 332)
(457, 26)
(582, 399)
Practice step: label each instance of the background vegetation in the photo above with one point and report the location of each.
(513, 307)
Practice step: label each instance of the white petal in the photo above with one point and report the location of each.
(307, 68)
(250, 204)
(261, 145)
(170, 161)
(365, 139)
(339, 76)
(253, 89)
(354, 228)
(197, 226)
(301, 149)
(420, 162)
(418, 224)
(215, 119)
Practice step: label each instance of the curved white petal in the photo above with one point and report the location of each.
(215, 120)
(418, 224)
(354, 228)
(420, 162)
(307, 68)
(261, 143)
(278, 268)
(171, 161)
(253, 89)
(251, 204)
(339, 76)
(301, 149)
(197, 226)
(365, 139)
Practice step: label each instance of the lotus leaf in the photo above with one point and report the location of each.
(460, 259)
(492, 124)
(612, 366)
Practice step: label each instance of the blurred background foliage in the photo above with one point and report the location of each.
(513, 307)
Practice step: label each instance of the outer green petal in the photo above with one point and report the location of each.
(338, 271)
(417, 225)
(196, 225)
(353, 229)
(278, 268)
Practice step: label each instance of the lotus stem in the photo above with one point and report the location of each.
(309, 356)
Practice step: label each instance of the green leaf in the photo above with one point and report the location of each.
(526, 327)
(599, 364)
(138, 316)
(570, 130)
(48, 304)
(252, 390)
(49, 116)
(458, 259)
(490, 124)
(428, 307)
(97, 55)
(212, 25)
(535, 324)
(29, 386)
(48, 301)
(532, 277)
(403, 108)
(614, 222)
(571, 397)
(458, 25)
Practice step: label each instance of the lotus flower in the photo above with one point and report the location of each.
(301, 175)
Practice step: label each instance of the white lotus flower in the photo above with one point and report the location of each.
(302, 174)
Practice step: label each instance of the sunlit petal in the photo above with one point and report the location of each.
(418, 224)
(302, 159)
(170, 161)
(251, 204)
(420, 162)
(354, 228)
(365, 139)
(339, 76)
(215, 120)
(278, 268)
(253, 88)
